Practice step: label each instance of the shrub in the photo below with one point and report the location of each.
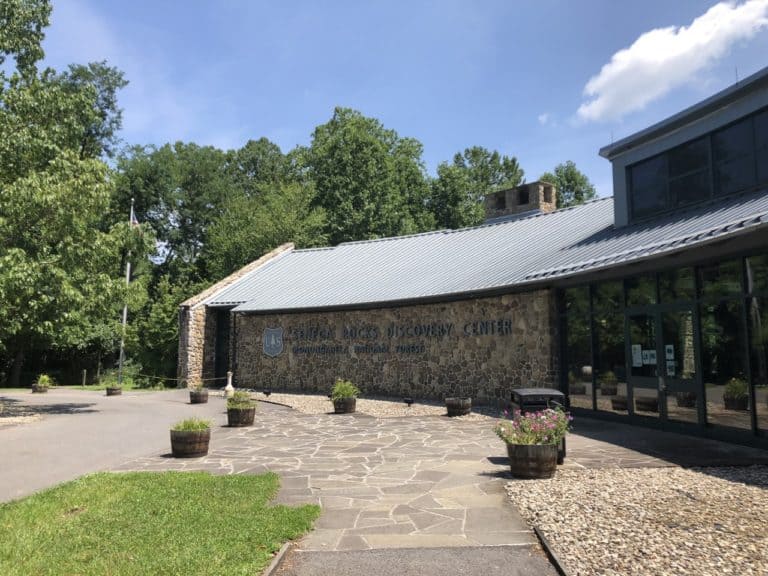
(609, 378)
(736, 388)
(544, 427)
(344, 389)
(44, 381)
(192, 425)
(241, 400)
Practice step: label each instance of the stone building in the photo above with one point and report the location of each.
(650, 306)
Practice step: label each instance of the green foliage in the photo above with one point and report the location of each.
(44, 381)
(344, 389)
(608, 377)
(141, 523)
(21, 33)
(457, 194)
(240, 400)
(573, 187)
(736, 388)
(370, 181)
(251, 226)
(192, 425)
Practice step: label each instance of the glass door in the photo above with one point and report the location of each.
(643, 390)
(679, 389)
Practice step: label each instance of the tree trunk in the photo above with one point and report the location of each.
(18, 362)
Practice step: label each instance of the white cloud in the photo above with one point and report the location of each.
(665, 58)
(544, 118)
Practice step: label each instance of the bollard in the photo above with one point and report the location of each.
(84, 373)
(229, 390)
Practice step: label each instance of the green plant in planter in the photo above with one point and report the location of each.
(344, 396)
(42, 384)
(344, 389)
(241, 409)
(192, 425)
(736, 394)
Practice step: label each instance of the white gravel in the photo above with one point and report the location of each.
(652, 521)
(378, 407)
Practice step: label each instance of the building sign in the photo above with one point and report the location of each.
(393, 338)
(272, 340)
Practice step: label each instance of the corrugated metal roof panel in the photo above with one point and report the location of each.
(454, 262)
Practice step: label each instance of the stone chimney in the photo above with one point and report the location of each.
(538, 196)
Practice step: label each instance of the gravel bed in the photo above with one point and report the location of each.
(377, 407)
(654, 521)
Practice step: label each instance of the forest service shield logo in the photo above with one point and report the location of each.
(273, 341)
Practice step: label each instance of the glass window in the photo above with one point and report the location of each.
(608, 295)
(679, 364)
(648, 184)
(722, 279)
(724, 366)
(758, 328)
(734, 175)
(641, 290)
(757, 273)
(733, 141)
(642, 337)
(677, 285)
(690, 189)
(690, 157)
(578, 351)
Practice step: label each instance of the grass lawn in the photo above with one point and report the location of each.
(149, 523)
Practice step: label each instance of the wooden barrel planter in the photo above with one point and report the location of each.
(458, 406)
(39, 389)
(532, 460)
(114, 391)
(686, 399)
(740, 403)
(189, 444)
(619, 403)
(198, 396)
(239, 417)
(344, 405)
(647, 404)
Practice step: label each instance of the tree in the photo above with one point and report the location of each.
(100, 137)
(21, 33)
(251, 226)
(370, 181)
(258, 162)
(456, 197)
(573, 187)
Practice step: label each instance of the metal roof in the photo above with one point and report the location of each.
(451, 263)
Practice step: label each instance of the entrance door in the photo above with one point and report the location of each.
(663, 359)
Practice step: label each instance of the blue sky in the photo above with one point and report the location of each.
(506, 75)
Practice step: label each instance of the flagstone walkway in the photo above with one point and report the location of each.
(382, 483)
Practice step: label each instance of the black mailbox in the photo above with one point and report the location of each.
(536, 399)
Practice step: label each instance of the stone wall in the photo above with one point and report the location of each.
(197, 325)
(481, 347)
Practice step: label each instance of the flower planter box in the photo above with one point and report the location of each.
(198, 396)
(741, 403)
(686, 399)
(239, 417)
(190, 444)
(647, 404)
(344, 405)
(609, 389)
(458, 406)
(619, 403)
(532, 460)
(577, 389)
(114, 391)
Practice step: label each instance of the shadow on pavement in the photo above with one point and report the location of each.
(16, 407)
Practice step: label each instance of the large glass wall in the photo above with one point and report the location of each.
(687, 345)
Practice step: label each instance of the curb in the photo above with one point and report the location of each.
(278, 559)
(549, 552)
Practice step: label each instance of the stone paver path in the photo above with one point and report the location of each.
(382, 483)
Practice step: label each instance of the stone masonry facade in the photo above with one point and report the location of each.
(480, 348)
(197, 327)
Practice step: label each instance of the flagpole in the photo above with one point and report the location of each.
(131, 220)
